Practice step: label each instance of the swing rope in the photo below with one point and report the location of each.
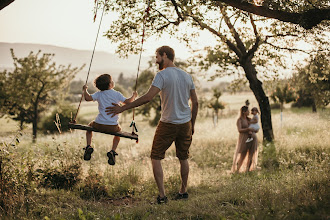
(90, 64)
(138, 69)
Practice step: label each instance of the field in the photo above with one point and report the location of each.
(49, 179)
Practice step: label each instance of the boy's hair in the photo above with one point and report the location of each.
(255, 109)
(168, 50)
(102, 82)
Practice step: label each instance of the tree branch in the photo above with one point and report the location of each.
(5, 3)
(251, 52)
(222, 37)
(286, 48)
(238, 40)
(306, 19)
(177, 10)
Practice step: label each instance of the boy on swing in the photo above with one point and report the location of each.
(103, 122)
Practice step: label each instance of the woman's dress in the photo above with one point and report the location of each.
(246, 154)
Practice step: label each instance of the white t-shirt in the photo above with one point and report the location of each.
(105, 99)
(175, 85)
(255, 126)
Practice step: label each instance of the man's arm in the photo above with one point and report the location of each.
(194, 108)
(116, 109)
(131, 99)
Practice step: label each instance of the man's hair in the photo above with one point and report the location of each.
(102, 82)
(168, 50)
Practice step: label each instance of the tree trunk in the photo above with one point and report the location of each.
(314, 106)
(263, 101)
(35, 122)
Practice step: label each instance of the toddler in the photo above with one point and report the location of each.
(103, 122)
(253, 123)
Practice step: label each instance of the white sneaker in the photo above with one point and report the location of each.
(249, 140)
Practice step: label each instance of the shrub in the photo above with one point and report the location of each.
(60, 177)
(275, 106)
(64, 113)
(14, 180)
(93, 187)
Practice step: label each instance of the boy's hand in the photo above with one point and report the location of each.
(85, 87)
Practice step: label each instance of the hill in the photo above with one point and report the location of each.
(103, 62)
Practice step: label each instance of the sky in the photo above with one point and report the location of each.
(67, 23)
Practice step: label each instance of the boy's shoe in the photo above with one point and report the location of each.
(161, 200)
(88, 152)
(249, 140)
(111, 155)
(181, 196)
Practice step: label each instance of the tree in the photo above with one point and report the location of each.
(35, 83)
(246, 42)
(216, 105)
(283, 94)
(143, 84)
(312, 80)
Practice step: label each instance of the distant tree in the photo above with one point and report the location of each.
(35, 83)
(216, 105)
(312, 80)
(144, 83)
(283, 94)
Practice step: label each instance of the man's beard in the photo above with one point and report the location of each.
(161, 65)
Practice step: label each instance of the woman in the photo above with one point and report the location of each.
(246, 155)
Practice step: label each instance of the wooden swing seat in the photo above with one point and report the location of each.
(119, 134)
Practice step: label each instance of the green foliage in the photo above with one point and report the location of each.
(283, 94)
(312, 81)
(144, 82)
(269, 156)
(93, 187)
(216, 105)
(15, 181)
(34, 84)
(64, 113)
(63, 176)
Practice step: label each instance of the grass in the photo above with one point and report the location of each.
(49, 180)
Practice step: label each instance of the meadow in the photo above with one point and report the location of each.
(49, 180)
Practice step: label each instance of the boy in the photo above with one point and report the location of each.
(105, 97)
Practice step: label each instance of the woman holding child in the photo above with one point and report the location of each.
(246, 153)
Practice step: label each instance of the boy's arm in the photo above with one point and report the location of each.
(87, 96)
(131, 99)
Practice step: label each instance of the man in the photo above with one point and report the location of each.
(177, 121)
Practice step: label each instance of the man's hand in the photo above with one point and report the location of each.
(114, 110)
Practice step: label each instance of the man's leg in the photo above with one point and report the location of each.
(184, 175)
(159, 176)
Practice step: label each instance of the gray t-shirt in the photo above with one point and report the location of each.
(175, 85)
(105, 99)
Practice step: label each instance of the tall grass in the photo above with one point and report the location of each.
(49, 179)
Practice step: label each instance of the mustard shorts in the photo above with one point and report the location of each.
(166, 134)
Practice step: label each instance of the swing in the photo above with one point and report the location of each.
(133, 135)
